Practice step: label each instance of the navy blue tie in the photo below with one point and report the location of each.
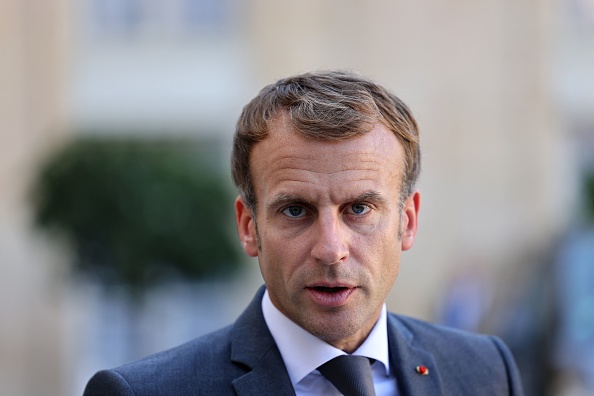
(350, 374)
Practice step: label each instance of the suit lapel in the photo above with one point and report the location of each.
(268, 377)
(252, 346)
(405, 357)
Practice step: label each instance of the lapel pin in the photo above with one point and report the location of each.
(422, 370)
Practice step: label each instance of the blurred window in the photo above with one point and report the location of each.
(116, 17)
(203, 13)
(165, 19)
(582, 14)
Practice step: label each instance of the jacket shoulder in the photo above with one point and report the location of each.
(433, 334)
(200, 366)
(464, 359)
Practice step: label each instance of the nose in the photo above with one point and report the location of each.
(330, 240)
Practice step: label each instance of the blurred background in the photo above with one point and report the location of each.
(116, 117)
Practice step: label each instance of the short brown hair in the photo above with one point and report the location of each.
(324, 105)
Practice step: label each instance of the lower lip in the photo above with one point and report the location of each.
(331, 299)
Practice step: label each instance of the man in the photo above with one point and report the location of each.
(326, 165)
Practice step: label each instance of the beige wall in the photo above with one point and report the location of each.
(31, 119)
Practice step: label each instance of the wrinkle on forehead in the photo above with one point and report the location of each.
(284, 150)
(287, 156)
(327, 165)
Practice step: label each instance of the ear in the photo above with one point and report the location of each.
(246, 227)
(410, 215)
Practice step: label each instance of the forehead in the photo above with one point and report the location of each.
(286, 159)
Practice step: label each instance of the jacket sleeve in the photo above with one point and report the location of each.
(513, 375)
(108, 382)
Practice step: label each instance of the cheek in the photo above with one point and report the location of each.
(386, 255)
(281, 257)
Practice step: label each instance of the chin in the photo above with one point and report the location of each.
(333, 330)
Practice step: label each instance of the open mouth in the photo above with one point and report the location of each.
(331, 296)
(325, 289)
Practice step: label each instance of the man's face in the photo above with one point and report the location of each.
(327, 226)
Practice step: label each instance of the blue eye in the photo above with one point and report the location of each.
(294, 211)
(359, 209)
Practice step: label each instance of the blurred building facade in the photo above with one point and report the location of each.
(493, 85)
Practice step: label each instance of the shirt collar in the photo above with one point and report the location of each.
(303, 352)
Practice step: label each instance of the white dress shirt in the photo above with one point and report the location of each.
(303, 353)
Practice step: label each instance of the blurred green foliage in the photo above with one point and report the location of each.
(138, 212)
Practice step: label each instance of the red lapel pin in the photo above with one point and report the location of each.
(422, 370)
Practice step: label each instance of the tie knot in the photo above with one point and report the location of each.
(350, 374)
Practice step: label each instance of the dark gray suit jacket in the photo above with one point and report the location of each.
(243, 359)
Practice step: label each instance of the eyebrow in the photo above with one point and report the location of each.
(369, 196)
(282, 199)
